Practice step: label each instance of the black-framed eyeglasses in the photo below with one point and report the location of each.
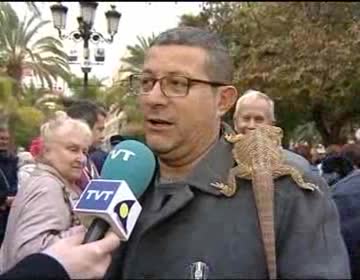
(170, 85)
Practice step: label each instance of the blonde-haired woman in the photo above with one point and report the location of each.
(42, 210)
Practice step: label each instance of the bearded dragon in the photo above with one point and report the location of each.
(259, 157)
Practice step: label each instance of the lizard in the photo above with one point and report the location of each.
(259, 157)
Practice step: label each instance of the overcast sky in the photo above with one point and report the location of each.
(138, 18)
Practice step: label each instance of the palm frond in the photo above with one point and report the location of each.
(33, 8)
(19, 49)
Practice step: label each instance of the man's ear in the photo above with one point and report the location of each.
(227, 97)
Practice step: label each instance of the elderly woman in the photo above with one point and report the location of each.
(42, 210)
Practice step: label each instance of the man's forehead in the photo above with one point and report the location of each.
(254, 104)
(100, 121)
(170, 58)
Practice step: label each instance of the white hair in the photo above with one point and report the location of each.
(61, 120)
(357, 135)
(254, 94)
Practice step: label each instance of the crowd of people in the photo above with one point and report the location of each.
(184, 90)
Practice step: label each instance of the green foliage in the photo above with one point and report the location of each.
(120, 99)
(19, 49)
(26, 125)
(95, 90)
(135, 59)
(302, 54)
(306, 133)
(120, 96)
(8, 104)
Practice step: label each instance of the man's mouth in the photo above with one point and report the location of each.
(158, 123)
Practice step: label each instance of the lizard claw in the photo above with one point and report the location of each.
(218, 185)
(233, 138)
(224, 189)
(228, 136)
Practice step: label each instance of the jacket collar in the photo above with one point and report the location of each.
(166, 199)
(72, 188)
(214, 167)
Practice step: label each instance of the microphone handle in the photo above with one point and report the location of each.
(96, 231)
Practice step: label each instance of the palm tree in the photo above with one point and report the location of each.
(135, 59)
(8, 104)
(95, 90)
(19, 49)
(122, 103)
(34, 8)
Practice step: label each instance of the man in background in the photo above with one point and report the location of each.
(255, 107)
(346, 194)
(8, 177)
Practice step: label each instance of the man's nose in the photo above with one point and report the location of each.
(155, 96)
(251, 124)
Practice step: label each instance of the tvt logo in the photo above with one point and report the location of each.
(98, 195)
(126, 154)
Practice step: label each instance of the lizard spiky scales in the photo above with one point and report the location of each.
(259, 157)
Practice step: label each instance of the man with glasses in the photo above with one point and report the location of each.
(184, 89)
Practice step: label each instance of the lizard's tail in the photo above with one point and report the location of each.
(264, 197)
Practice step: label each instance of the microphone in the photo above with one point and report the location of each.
(112, 200)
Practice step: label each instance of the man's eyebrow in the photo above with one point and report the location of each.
(147, 71)
(179, 73)
(176, 73)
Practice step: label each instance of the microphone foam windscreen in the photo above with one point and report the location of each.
(133, 162)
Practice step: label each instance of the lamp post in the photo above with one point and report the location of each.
(85, 30)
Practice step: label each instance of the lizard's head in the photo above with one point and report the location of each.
(269, 131)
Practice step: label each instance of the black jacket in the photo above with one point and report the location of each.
(346, 193)
(190, 221)
(37, 266)
(98, 157)
(8, 185)
(9, 168)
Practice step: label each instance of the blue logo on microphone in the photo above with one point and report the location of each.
(98, 195)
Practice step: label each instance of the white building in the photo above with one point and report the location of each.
(59, 86)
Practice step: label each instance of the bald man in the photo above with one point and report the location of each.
(255, 107)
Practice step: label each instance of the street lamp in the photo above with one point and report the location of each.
(85, 30)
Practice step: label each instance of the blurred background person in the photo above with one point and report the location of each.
(42, 210)
(8, 177)
(305, 152)
(26, 166)
(318, 153)
(346, 194)
(357, 136)
(335, 167)
(116, 139)
(333, 150)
